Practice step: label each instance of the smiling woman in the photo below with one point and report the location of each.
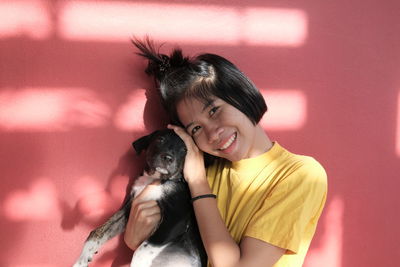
(239, 139)
(268, 200)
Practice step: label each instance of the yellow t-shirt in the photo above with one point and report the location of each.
(276, 197)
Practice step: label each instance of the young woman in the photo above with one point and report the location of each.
(256, 203)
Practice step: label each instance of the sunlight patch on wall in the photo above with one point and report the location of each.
(87, 185)
(129, 116)
(199, 24)
(51, 109)
(287, 109)
(274, 27)
(118, 21)
(37, 203)
(24, 18)
(329, 254)
(118, 187)
(93, 200)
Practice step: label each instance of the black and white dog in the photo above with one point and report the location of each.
(176, 242)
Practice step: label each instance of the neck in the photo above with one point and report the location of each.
(261, 143)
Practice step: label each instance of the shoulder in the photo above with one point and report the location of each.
(311, 169)
(302, 168)
(306, 182)
(302, 174)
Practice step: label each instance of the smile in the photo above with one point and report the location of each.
(229, 142)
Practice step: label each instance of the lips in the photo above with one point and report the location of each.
(228, 142)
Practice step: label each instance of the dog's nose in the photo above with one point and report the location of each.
(167, 158)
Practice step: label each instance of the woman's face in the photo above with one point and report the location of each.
(218, 128)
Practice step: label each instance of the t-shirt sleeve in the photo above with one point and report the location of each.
(295, 203)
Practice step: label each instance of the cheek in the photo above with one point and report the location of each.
(202, 143)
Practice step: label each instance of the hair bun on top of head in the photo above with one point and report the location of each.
(159, 64)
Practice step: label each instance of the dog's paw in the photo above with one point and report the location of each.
(89, 249)
(80, 264)
(83, 261)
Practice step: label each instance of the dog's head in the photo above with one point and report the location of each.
(165, 153)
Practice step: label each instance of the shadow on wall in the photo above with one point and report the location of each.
(73, 96)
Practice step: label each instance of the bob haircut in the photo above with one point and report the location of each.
(203, 77)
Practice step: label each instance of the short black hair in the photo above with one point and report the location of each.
(201, 77)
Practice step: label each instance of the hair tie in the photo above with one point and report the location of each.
(164, 65)
(203, 196)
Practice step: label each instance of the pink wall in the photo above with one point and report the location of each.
(73, 96)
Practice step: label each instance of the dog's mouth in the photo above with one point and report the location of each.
(162, 170)
(158, 172)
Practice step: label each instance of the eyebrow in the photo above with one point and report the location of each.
(209, 102)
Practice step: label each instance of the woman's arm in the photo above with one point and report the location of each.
(221, 249)
(143, 219)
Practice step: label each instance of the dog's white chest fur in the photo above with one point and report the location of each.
(145, 254)
(141, 182)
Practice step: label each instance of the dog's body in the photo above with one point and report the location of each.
(176, 242)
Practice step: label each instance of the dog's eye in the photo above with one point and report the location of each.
(160, 139)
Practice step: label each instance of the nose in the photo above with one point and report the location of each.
(213, 133)
(167, 158)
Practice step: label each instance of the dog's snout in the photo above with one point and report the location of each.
(167, 158)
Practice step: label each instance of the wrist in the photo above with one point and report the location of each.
(199, 187)
(203, 196)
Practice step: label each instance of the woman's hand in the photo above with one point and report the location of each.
(194, 169)
(143, 219)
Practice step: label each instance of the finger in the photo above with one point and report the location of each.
(144, 214)
(148, 212)
(150, 222)
(187, 139)
(140, 205)
(144, 204)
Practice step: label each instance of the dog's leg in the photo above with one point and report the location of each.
(114, 226)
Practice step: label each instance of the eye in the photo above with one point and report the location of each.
(213, 110)
(195, 129)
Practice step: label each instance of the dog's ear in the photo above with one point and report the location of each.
(143, 142)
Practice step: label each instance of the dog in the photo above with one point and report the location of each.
(176, 242)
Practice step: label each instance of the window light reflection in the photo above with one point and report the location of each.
(28, 17)
(287, 109)
(51, 109)
(41, 195)
(118, 21)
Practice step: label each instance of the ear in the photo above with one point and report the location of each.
(143, 142)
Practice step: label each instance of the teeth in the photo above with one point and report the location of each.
(229, 142)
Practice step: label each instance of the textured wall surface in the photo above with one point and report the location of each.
(73, 96)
